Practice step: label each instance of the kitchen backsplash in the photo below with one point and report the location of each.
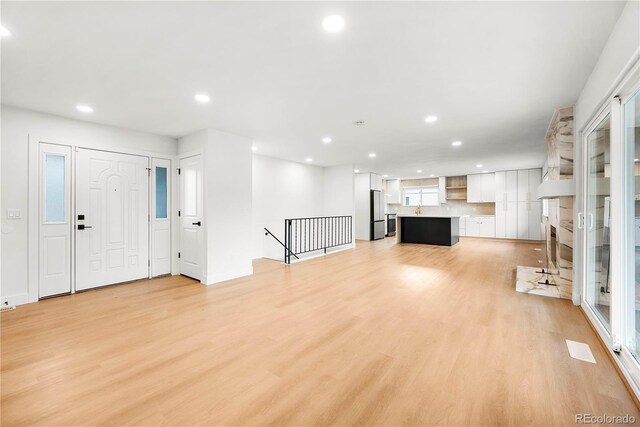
(452, 207)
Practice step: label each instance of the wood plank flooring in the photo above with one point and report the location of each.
(384, 334)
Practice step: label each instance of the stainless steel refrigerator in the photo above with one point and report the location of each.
(377, 215)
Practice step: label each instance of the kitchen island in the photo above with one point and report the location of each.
(428, 230)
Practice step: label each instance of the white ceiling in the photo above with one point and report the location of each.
(493, 72)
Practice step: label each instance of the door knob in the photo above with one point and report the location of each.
(197, 223)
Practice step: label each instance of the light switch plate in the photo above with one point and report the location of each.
(13, 214)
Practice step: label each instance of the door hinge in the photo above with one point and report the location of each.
(148, 171)
(178, 213)
(178, 171)
(148, 217)
(178, 254)
(149, 262)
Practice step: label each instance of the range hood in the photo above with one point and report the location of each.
(553, 189)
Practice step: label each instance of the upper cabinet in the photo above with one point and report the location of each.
(376, 182)
(528, 182)
(442, 190)
(506, 185)
(394, 195)
(481, 188)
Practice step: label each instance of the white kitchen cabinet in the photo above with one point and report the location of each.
(376, 181)
(529, 220)
(501, 219)
(442, 189)
(472, 227)
(523, 185)
(481, 188)
(488, 187)
(487, 226)
(535, 179)
(523, 220)
(535, 220)
(463, 226)
(480, 226)
(394, 195)
(474, 188)
(511, 226)
(507, 220)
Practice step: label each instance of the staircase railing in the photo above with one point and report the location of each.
(303, 235)
(286, 250)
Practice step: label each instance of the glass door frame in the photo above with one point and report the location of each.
(615, 339)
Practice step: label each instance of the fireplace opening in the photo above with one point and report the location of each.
(552, 246)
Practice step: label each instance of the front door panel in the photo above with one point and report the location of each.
(112, 193)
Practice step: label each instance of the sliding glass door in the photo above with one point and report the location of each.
(597, 221)
(631, 196)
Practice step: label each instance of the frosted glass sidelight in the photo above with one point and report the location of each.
(54, 191)
(161, 192)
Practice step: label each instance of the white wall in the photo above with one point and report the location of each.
(284, 189)
(17, 125)
(620, 53)
(227, 163)
(339, 190)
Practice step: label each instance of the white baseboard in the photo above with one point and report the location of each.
(14, 300)
(219, 278)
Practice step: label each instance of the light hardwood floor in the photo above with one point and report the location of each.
(382, 335)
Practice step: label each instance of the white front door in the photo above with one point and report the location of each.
(112, 214)
(191, 209)
(54, 231)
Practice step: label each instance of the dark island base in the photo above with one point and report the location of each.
(430, 230)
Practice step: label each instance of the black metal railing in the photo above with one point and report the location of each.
(286, 250)
(302, 235)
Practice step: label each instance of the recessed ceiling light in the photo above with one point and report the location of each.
(333, 23)
(356, 170)
(456, 143)
(202, 97)
(84, 108)
(385, 176)
(485, 171)
(636, 160)
(5, 32)
(254, 148)
(478, 165)
(308, 160)
(419, 171)
(372, 155)
(326, 140)
(432, 175)
(431, 119)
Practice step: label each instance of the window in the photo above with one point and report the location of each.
(161, 192)
(421, 196)
(54, 188)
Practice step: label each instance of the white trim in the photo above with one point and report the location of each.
(33, 203)
(178, 199)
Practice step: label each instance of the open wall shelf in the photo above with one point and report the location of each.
(456, 187)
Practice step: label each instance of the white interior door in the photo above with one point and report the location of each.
(191, 210)
(112, 227)
(160, 217)
(55, 221)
